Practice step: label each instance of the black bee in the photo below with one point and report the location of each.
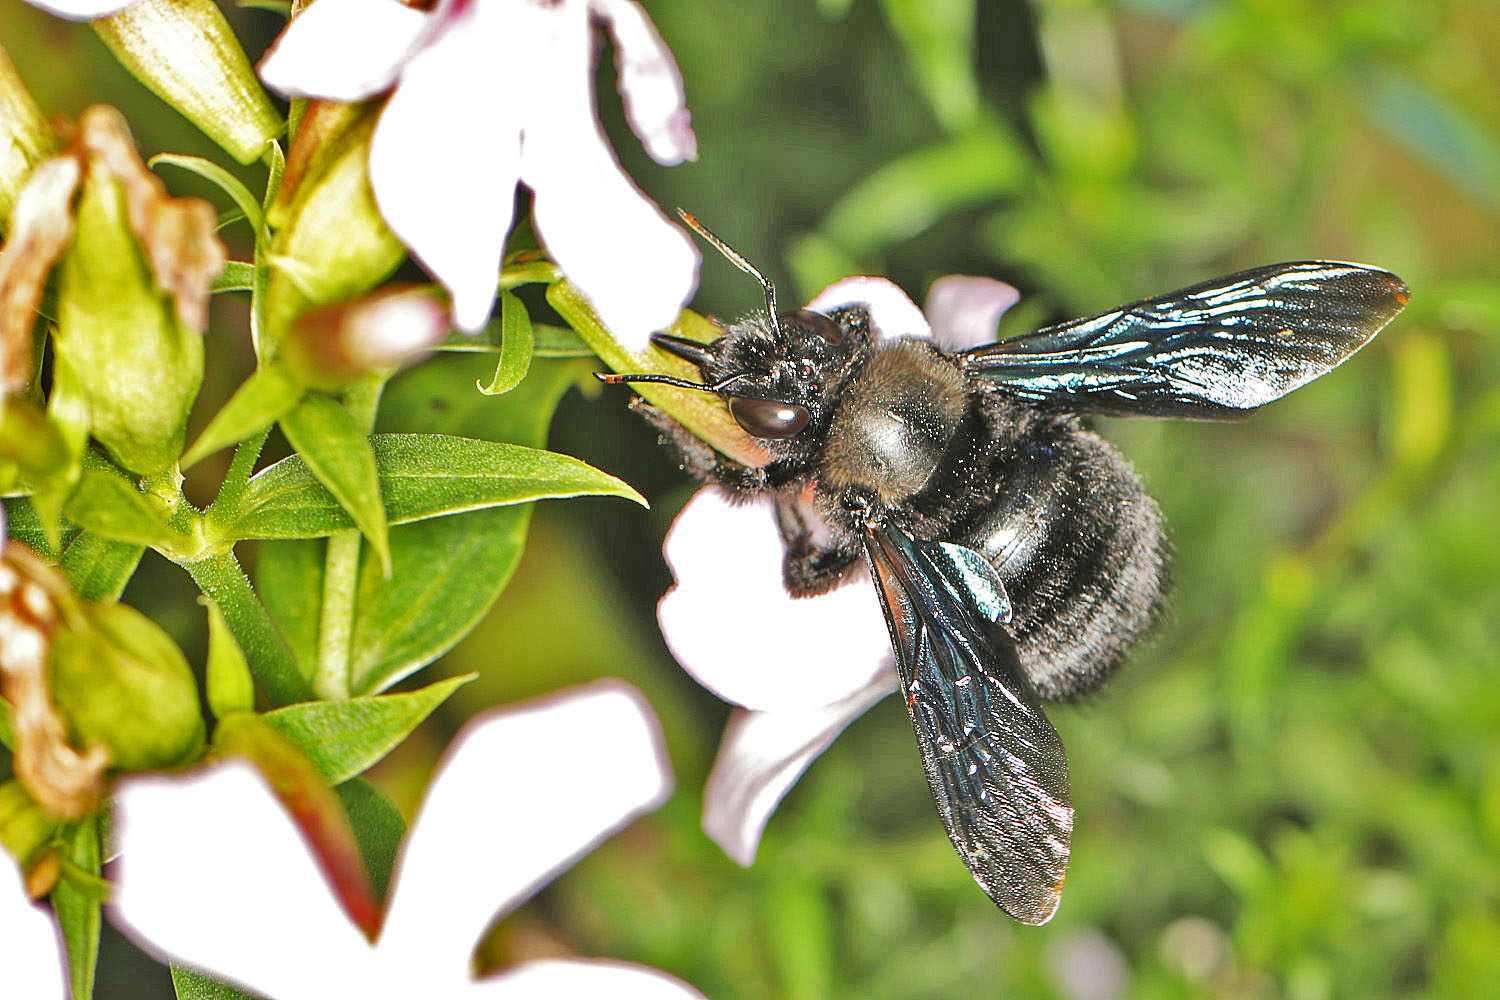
(1015, 553)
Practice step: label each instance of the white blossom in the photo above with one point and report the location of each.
(489, 93)
(213, 874)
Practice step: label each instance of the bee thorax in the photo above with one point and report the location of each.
(894, 423)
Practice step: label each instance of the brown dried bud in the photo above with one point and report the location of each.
(34, 601)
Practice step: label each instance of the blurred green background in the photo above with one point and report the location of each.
(1293, 789)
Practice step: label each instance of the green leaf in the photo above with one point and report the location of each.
(76, 904)
(24, 524)
(227, 182)
(421, 476)
(98, 568)
(190, 985)
(343, 738)
(339, 455)
(260, 401)
(448, 571)
(445, 574)
(289, 576)
(237, 276)
(517, 341)
(378, 828)
(109, 506)
(228, 682)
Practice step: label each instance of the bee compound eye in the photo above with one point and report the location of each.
(767, 418)
(815, 322)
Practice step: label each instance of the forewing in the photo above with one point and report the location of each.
(1216, 350)
(995, 764)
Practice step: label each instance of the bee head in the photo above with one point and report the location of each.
(779, 379)
(779, 373)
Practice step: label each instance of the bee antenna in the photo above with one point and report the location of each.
(608, 378)
(733, 256)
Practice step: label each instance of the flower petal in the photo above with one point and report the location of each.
(82, 10)
(635, 267)
(763, 754)
(650, 83)
(316, 56)
(732, 625)
(444, 177)
(214, 875)
(964, 311)
(33, 947)
(892, 312)
(549, 978)
(521, 795)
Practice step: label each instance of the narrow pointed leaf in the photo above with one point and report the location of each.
(378, 827)
(338, 454)
(78, 910)
(343, 738)
(228, 683)
(225, 181)
(190, 985)
(109, 506)
(237, 276)
(259, 402)
(517, 341)
(421, 476)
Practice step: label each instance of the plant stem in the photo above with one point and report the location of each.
(271, 659)
(341, 574)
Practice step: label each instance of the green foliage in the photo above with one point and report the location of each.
(344, 738)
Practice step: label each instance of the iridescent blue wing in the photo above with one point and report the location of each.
(1216, 350)
(995, 764)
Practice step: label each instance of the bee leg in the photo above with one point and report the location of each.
(813, 564)
(704, 464)
(811, 569)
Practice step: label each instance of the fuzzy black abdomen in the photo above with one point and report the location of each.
(1081, 550)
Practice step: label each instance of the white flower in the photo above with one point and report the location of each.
(82, 10)
(807, 667)
(33, 965)
(214, 875)
(492, 92)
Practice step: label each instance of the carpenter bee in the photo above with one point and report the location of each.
(1014, 551)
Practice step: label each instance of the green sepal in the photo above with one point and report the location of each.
(378, 827)
(135, 363)
(343, 738)
(228, 683)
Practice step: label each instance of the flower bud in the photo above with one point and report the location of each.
(123, 684)
(331, 347)
(25, 137)
(138, 358)
(185, 52)
(334, 246)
